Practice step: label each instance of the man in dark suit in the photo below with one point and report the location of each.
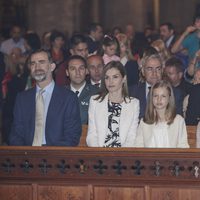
(76, 70)
(78, 45)
(173, 72)
(95, 67)
(95, 34)
(167, 33)
(193, 108)
(61, 124)
(152, 73)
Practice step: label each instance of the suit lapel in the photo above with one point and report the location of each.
(143, 92)
(32, 110)
(103, 119)
(84, 93)
(124, 121)
(54, 103)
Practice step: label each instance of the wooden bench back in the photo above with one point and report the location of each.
(82, 142)
(191, 131)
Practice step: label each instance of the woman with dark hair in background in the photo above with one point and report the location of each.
(16, 84)
(59, 56)
(31, 42)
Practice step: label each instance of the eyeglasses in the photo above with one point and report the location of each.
(151, 69)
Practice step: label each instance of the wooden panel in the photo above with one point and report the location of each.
(60, 173)
(164, 193)
(175, 193)
(62, 192)
(191, 131)
(82, 142)
(189, 194)
(118, 193)
(15, 192)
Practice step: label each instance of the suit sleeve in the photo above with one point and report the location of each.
(130, 140)
(17, 131)
(92, 138)
(72, 123)
(178, 95)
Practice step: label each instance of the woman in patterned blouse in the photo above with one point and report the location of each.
(113, 115)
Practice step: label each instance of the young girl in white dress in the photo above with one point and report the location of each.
(161, 126)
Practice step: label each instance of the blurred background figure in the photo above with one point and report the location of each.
(161, 48)
(110, 49)
(95, 67)
(46, 44)
(78, 45)
(95, 35)
(167, 34)
(31, 42)
(116, 30)
(15, 81)
(15, 41)
(126, 58)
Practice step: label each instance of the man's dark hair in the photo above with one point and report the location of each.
(56, 34)
(33, 41)
(42, 50)
(196, 17)
(76, 57)
(168, 24)
(175, 62)
(93, 27)
(77, 39)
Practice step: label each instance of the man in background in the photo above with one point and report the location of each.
(76, 70)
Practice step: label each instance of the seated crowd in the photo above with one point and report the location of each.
(130, 89)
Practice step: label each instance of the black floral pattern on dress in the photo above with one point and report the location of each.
(112, 138)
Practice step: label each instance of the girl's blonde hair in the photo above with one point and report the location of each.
(122, 38)
(160, 46)
(151, 116)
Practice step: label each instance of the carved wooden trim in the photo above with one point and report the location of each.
(97, 165)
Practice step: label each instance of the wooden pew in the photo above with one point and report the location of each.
(61, 173)
(82, 142)
(191, 131)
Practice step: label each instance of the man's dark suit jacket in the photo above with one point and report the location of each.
(63, 123)
(193, 109)
(139, 91)
(92, 45)
(132, 71)
(84, 99)
(172, 42)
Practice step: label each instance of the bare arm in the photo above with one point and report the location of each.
(191, 68)
(178, 44)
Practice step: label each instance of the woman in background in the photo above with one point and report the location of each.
(126, 58)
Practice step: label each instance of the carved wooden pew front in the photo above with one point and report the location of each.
(40, 173)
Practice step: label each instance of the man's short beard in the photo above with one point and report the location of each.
(39, 77)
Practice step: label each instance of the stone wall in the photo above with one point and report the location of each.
(45, 15)
(74, 15)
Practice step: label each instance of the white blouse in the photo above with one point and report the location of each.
(160, 136)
